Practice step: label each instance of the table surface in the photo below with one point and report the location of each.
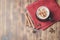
(14, 25)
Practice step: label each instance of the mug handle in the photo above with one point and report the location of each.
(50, 19)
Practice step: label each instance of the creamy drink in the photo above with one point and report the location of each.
(42, 12)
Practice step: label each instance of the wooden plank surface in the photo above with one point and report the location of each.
(13, 23)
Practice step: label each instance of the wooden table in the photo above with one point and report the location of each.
(13, 22)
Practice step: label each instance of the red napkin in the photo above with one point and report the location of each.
(54, 8)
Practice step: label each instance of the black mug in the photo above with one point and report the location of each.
(44, 11)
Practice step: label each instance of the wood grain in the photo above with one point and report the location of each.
(13, 22)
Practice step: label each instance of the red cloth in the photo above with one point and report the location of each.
(52, 5)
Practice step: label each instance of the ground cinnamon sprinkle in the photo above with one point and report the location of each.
(43, 13)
